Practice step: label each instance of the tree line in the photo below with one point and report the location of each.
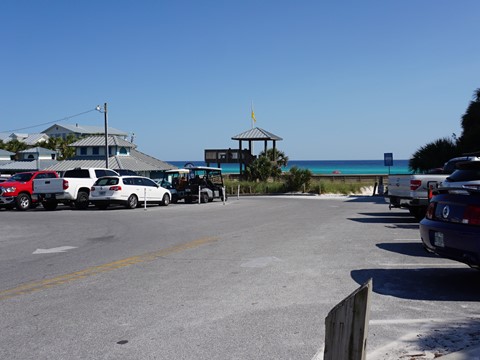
(436, 153)
(58, 144)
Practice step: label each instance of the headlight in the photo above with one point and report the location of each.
(10, 189)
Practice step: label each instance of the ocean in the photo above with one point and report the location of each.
(325, 167)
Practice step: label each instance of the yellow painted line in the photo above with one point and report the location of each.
(31, 287)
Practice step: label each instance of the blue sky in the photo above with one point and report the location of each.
(335, 79)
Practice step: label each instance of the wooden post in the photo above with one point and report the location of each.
(346, 326)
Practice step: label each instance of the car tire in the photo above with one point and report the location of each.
(174, 199)
(132, 202)
(165, 200)
(23, 202)
(204, 198)
(82, 200)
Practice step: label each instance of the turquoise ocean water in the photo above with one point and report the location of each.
(325, 167)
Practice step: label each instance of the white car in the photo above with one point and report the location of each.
(129, 191)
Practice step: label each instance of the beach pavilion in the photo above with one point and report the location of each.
(242, 157)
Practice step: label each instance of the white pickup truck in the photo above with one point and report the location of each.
(71, 189)
(411, 191)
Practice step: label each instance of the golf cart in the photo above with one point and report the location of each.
(197, 183)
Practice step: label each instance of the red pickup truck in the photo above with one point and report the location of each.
(17, 190)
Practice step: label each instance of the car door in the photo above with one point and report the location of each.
(138, 188)
(154, 191)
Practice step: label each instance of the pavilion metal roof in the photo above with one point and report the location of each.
(257, 134)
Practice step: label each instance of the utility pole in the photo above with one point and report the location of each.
(106, 134)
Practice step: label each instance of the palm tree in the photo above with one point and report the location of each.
(433, 155)
(65, 151)
(15, 146)
(468, 141)
(276, 156)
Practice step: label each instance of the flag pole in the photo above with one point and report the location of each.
(254, 120)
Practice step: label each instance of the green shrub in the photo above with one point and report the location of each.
(298, 179)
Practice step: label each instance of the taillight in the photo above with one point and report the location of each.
(430, 211)
(415, 184)
(471, 215)
(115, 188)
(65, 185)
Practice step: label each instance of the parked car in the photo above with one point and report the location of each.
(18, 189)
(197, 183)
(72, 189)
(451, 227)
(129, 191)
(412, 191)
(467, 175)
(168, 185)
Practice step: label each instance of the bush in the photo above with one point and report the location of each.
(298, 179)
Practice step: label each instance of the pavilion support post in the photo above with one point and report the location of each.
(240, 156)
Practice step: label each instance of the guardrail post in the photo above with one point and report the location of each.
(346, 326)
(144, 199)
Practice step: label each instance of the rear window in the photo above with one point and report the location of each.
(106, 181)
(77, 173)
(102, 172)
(464, 175)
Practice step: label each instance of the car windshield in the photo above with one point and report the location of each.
(23, 177)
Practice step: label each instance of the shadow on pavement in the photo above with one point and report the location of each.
(369, 199)
(441, 284)
(407, 248)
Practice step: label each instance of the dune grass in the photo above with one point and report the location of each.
(279, 186)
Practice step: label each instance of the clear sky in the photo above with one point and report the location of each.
(337, 80)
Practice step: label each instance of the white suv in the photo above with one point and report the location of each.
(129, 191)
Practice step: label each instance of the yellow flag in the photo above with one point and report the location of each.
(253, 116)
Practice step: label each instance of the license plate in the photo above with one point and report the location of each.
(48, 196)
(102, 192)
(438, 239)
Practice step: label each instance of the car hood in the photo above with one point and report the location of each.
(11, 183)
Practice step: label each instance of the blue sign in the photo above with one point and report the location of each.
(388, 159)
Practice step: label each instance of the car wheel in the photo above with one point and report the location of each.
(82, 200)
(165, 200)
(174, 199)
(50, 205)
(204, 198)
(132, 202)
(23, 202)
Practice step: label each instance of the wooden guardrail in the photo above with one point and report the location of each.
(346, 326)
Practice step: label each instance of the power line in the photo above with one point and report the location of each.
(50, 122)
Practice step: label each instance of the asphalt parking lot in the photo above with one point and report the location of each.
(251, 279)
